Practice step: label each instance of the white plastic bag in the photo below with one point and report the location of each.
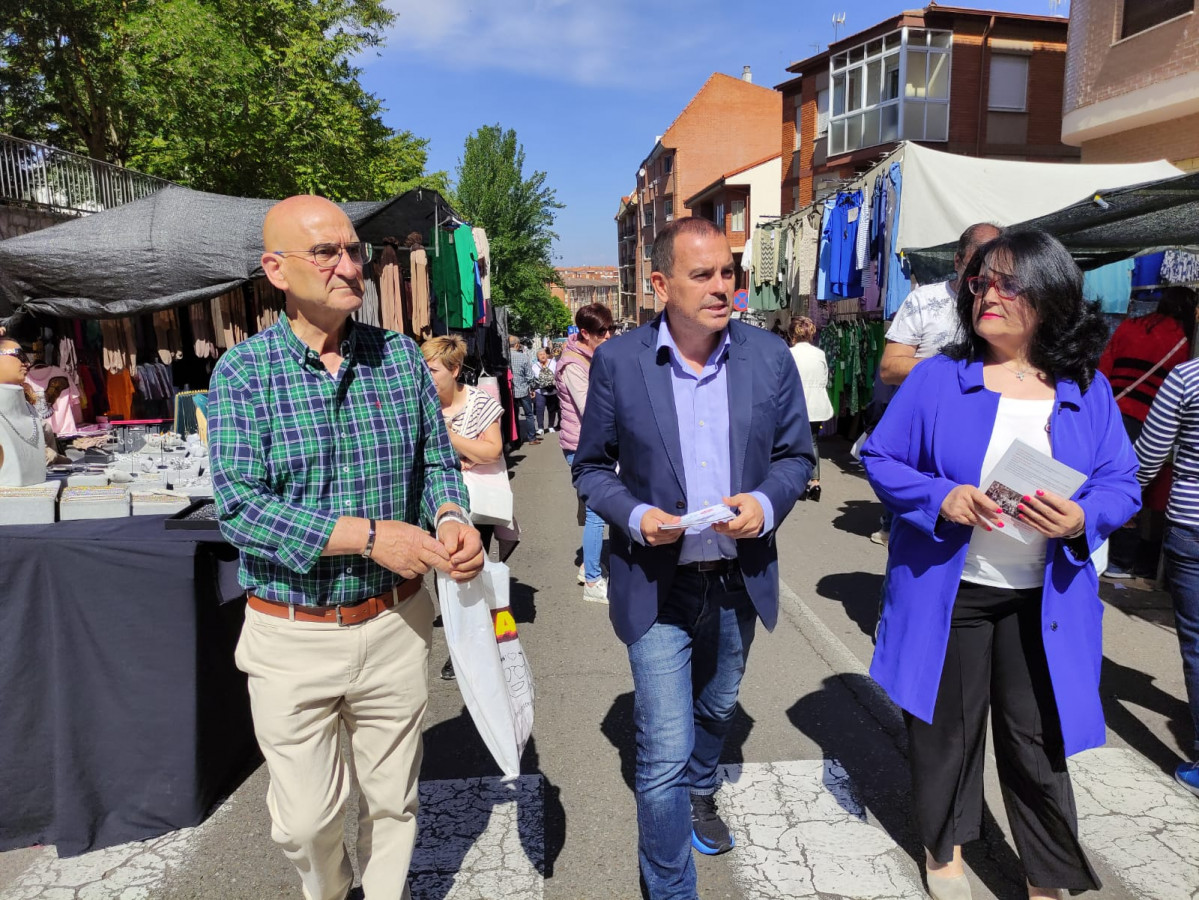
(490, 495)
(492, 672)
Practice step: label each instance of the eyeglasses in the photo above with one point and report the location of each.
(20, 354)
(328, 256)
(1005, 287)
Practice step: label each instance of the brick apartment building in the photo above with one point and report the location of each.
(974, 82)
(590, 284)
(626, 244)
(738, 198)
(1132, 81)
(728, 124)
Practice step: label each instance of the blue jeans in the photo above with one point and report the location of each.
(593, 537)
(526, 404)
(1181, 546)
(686, 675)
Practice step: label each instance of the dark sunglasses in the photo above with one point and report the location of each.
(21, 355)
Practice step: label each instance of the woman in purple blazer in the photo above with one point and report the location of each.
(974, 616)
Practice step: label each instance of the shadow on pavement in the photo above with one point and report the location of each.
(1119, 686)
(858, 517)
(858, 592)
(858, 727)
(619, 729)
(522, 602)
(454, 750)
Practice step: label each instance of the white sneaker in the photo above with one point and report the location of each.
(550, 430)
(881, 537)
(582, 577)
(596, 593)
(542, 430)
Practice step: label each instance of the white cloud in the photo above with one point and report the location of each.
(588, 42)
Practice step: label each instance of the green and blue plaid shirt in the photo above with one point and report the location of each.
(294, 448)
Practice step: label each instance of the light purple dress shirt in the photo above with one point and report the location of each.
(701, 404)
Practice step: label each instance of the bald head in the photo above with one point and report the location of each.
(290, 231)
(290, 224)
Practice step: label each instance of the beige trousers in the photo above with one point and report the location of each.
(305, 679)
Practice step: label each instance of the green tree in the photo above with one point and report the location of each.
(247, 97)
(518, 214)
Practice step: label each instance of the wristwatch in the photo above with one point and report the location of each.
(451, 515)
(370, 541)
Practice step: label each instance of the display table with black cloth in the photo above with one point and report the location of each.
(122, 715)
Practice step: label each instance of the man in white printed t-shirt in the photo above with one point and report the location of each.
(927, 320)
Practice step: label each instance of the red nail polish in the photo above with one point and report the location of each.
(1026, 499)
(1020, 516)
(989, 528)
(999, 512)
(1000, 524)
(1040, 493)
(1019, 509)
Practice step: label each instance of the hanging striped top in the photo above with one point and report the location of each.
(1174, 423)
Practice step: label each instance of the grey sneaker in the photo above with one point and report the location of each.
(597, 592)
(881, 537)
(582, 578)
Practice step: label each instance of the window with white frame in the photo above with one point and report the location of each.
(646, 286)
(798, 118)
(718, 214)
(1008, 87)
(738, 209)
(668, 208)
(892, 88)
(821, 113)
(647, 250)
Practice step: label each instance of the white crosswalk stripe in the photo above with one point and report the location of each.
(802, 832)
(801, 828)
(479, 837)
(1142, 824)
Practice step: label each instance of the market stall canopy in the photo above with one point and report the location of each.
(943, 193)
(1110, 225)
(175, 247)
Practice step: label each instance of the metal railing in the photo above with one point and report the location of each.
(45, 177)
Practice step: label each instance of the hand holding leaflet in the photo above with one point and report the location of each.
(709, 515)
(1020, 472)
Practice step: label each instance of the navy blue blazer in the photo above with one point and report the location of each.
(630, 420)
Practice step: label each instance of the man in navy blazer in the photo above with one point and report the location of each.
(695, 410)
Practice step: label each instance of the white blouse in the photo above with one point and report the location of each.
(994, 558)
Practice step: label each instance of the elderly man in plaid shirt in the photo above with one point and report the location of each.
(330, 460)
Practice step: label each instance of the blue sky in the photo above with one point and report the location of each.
(588, 84)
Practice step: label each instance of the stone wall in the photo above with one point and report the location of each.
(15, 220)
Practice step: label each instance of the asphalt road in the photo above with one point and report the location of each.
(817, 783)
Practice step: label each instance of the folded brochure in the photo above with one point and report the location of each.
(1020, 472)
(709, 515)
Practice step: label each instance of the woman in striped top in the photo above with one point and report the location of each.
(1173, 424)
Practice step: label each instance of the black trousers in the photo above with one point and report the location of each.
(996, 659)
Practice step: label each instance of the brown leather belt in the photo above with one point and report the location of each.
(342, 615)
(711, 566)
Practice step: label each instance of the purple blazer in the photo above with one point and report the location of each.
(932, 438)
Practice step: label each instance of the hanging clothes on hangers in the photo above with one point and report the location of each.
(369, 312)
(166, 334)
(203, 332)
(453, 278)
(391, 311)
(418, 261)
